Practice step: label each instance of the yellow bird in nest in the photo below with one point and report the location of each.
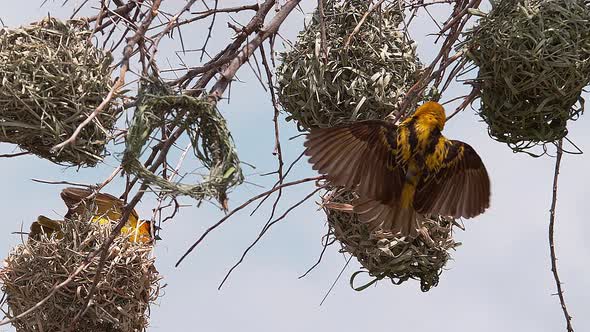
(105, 208)
(402, 170)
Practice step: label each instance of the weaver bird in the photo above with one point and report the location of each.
(105, 208)
(402, 170)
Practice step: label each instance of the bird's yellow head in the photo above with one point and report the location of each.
(432, 113)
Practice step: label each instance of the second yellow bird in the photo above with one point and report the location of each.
(105, 208)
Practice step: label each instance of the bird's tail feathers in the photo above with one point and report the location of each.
(394, 219)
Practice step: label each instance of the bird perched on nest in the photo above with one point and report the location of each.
(105, 208)
(399, 171)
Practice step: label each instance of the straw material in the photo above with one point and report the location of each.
(534, 60)
(387, 255)
(129, 281)
(52, 78)
(366, 80)
(211, 142)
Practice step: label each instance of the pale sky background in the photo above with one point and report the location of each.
(499, 280)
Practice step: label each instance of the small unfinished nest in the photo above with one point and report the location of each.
(52, 78)
(207, 130)
(129, 281)
(386, 255)
(365, 80)
(534, 60)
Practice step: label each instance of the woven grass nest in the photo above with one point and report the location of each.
(121, 301)
(387, 255)
(211, 141)
(365, 80)
(534, 60)
(52, 78)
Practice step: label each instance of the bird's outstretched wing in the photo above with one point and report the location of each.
(359, 156)
(456, 185)
(107, 206)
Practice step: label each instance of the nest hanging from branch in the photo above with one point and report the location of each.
(129, 283)
(207, 130)
(52, 78)
(387, 255)
(366, 79)
(534, 60)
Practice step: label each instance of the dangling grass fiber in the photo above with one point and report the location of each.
(533, 59)
(129, 283)
(51, 79)
(210, 138)
(387, 255)
(365, 80)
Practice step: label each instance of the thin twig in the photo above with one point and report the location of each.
(11, 155)
(568, 318)
(277, 150)
(327, 242)
(209, 30)
(336, 280)
(278, 182)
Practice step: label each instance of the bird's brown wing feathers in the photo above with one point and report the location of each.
(44, 225)
(362, 157)
(459, 188)
(387, 217)
(359, 156)
(106, 204)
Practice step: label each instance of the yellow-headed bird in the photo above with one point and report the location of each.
(104, 207)
(400, 170)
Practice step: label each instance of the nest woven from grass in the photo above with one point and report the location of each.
(534, 60)
(387, 255)
(129, 282)
(210, 139)
(365, 80)
(52, 78)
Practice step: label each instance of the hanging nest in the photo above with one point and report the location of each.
(534, 60)
(387, 255)
(365, 80)
(129, 281)
(207, 130)
(52, 79)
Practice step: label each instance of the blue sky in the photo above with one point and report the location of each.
(498, 280)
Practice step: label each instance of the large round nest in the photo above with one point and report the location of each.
(52, 79)
(534, 60)
(365, 80)
(387, 255)
(129, 281)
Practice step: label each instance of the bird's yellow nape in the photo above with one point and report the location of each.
(433, 109)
